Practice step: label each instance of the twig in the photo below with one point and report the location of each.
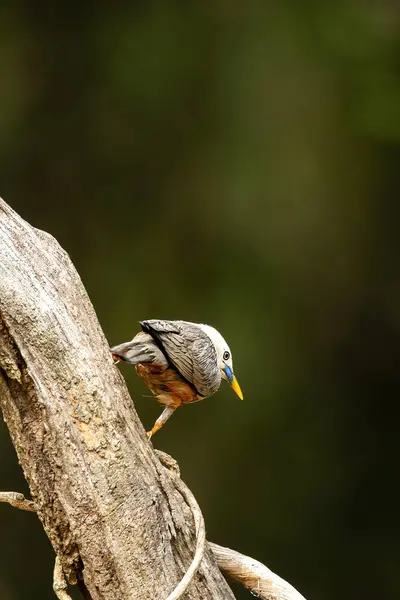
(253, 575)
(59, 584)
(173, 469)
(17, 500)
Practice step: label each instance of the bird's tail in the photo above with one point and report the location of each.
(141, 349)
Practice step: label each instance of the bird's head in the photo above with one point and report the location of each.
(224, 358)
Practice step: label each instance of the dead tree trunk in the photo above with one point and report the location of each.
(119, 525)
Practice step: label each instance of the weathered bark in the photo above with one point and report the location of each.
(255, 576)
(112, 514)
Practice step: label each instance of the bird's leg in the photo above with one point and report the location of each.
(163, 418)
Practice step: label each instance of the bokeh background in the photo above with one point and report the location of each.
(233, 163)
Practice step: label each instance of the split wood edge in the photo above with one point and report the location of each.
(252, 574)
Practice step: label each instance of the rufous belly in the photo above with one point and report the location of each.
(167, 385)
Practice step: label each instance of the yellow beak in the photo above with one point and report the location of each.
(236, 387)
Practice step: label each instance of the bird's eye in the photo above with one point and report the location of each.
(226, 355)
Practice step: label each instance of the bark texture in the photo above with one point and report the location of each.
(113, 515)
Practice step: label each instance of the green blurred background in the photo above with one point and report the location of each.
(235, 164)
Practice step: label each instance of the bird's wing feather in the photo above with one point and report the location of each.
(158, 326)
(190, 350)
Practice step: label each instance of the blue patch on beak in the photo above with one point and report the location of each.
(228, 373)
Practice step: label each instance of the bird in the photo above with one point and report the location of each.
(179, 361)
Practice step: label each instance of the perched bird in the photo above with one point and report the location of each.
(180, 362)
